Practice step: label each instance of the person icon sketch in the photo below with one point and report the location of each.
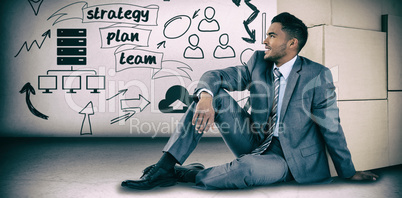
(224, 50)
(193, 51)
(209, 24)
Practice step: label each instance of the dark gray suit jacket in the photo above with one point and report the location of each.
(309, 120)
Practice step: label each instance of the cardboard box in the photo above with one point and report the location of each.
(360, 57)
(362, 14)
(393, 26)
(311, 12)
(366, 130)
(395, 127)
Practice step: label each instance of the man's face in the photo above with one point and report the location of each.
(275, 43)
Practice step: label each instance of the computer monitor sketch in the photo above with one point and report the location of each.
(71, 83)
(47, 83)
(95, 83)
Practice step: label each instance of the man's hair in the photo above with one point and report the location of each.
(293, 26)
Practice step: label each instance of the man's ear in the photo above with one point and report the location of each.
(293, 43)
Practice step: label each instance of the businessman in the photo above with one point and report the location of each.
(294, 118)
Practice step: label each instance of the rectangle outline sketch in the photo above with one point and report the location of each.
(71, 90)
(97, 76)
(47, 89)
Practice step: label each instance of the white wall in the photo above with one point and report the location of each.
(171, 22)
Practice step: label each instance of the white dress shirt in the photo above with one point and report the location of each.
(285, 71)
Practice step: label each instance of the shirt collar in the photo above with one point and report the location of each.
(287, 67)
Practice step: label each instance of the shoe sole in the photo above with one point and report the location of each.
(163, 183)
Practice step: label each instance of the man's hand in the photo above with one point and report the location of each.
(364, 175)
(204, 115)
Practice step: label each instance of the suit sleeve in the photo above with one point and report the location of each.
(232, 78)
(326, 114)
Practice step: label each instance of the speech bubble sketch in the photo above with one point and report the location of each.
(177, 100)
(69, 12)
(116, 36)
(177, 26)
(172, 68)
(45, 35)
(108, 13)
(35, 5)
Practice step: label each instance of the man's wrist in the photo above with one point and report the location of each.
(205, 95)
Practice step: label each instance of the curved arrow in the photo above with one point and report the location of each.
(27, 88)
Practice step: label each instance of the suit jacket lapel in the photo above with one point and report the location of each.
(290, 86)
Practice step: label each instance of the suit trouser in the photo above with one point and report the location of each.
(235, 127)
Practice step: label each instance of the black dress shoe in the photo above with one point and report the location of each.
(153, 176)
(187, 173)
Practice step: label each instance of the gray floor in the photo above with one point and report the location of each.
(95, 167)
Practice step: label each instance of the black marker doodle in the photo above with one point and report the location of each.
(177, 100)
(122, 92)
(137, 58)
(209, 24)
(27, 88)
(193, 51)
(236, 2)
(71, 83)
(35, 5)
(247, 22)
(47, 83)
(129, 106)
(224, 50)
(45, 35)
(172, 68)
(68, 12)
(108, 13)
(163, 43)
(264, 27)
(115, 36)
(86, 127)
(95, 83)
(71, 46)
(134, 103)
(177, 26)
(124, 117)
(245, 55)
(196, 13)
(71, 80)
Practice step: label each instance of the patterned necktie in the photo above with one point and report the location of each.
(272, 119)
